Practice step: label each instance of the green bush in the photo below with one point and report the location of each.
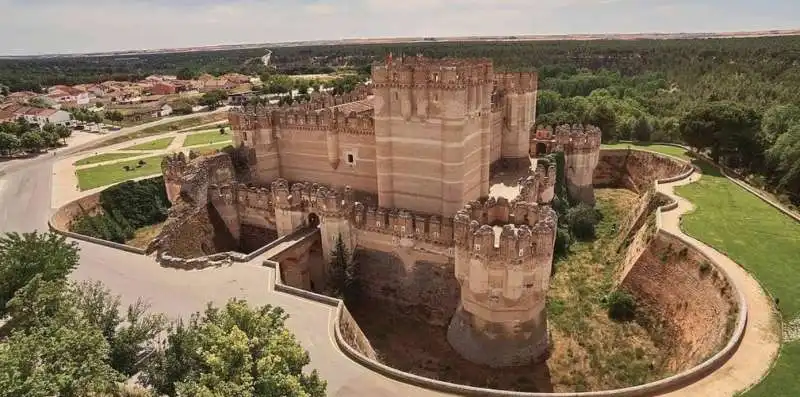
(582, 220)
(126, 207)
(621, 306)
(140, 203)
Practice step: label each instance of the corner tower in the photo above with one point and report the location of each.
(432, 140)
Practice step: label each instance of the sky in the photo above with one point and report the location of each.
(29, 27)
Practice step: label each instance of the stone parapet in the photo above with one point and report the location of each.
(404, 224)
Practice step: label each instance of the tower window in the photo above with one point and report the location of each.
(436, 77)
(396, 96)
(350, 159)
(244, 135)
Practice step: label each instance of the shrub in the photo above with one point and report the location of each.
(582, 220)
(141, 203)
(621, 306)
(705, 267)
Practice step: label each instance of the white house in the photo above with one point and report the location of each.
(44, 116)
(164, 111)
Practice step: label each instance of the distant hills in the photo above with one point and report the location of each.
(391, 40)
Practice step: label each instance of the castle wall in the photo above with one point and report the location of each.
(520, 91)
(496, 131)
(304, 156)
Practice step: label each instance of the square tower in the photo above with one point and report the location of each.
(432, 132)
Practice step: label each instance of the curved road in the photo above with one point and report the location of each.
(25, 193)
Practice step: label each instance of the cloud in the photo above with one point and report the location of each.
(48, 26)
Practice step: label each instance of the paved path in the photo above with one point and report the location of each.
(25, 205)
(760, 343)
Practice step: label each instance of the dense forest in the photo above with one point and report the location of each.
(735, 99)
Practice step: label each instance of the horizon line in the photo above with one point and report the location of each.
(427, 39)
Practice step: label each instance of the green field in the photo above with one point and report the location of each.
(666, 149)
(208, 149)
(158, 144)
(762, 240)
(207, 137)
(102, 175)
(104, 157)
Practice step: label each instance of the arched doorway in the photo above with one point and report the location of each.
(313, 220)
(541, 149)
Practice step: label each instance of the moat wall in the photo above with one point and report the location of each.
(635, 170)
(414, 283)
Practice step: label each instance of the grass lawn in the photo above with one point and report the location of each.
(782, 381)
(166, 127)
(104, 157)
(158, 144)
(208, 137)
(102, 175)
(210, 149)
(666, 149)
(762, 240)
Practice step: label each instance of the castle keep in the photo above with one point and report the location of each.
(403, 167)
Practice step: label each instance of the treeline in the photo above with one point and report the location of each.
(126, 208)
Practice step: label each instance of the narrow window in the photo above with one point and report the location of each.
(436, 77)
(350, 159)
(396, 96)
(244, 135)
(477, 247)
(521, 251)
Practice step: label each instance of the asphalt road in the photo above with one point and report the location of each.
(25, 197)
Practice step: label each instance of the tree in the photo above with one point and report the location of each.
(642, 130)
(233, 351)
(784, 158)
(8, 143)
(63, 132)
(582, 220)
(344, 272)
(728, 129)
(50, 138)
(68, 361)
(24, 256)
(547, 102)
(212, 99)
(605, 118)
(621, 306)
(778, 120)
(32, 141)
(115, 115)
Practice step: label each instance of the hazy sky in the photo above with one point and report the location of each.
(56, 26)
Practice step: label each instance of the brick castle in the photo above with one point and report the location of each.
(408, 166)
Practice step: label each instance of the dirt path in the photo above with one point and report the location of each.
(760, 343)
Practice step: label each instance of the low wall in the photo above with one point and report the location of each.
(63, 217)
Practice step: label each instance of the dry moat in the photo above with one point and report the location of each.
(588, 350)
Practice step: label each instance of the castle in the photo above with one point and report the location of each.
(406, 166)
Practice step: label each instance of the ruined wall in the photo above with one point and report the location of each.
(195, 232)
(679, 287)
(634, 169)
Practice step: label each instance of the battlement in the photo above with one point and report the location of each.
(349, 113)
(444, 73)
(533, 227)
(404, 224)
(517, 83)
(312, 197)
(577, 138)
(540, 186)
